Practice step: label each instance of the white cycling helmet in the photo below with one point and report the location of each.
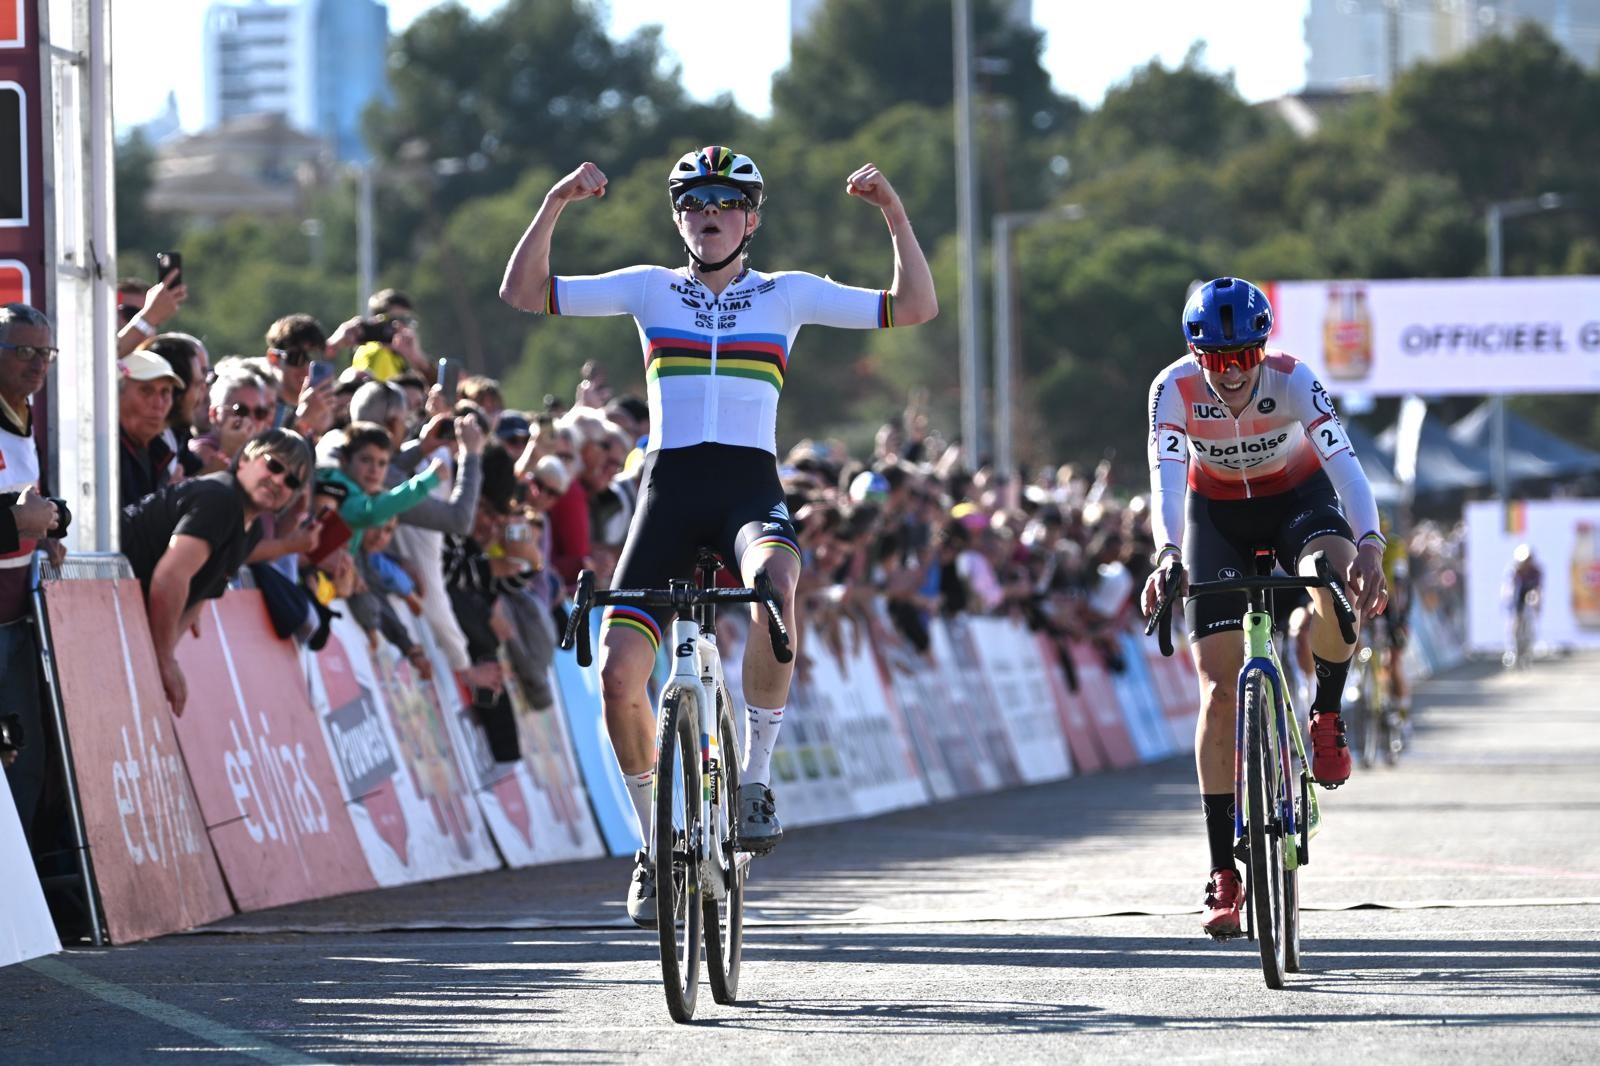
(712, 165)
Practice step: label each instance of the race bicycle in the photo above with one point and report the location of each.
(693, 840)
(1369, 707)
(1275, 801)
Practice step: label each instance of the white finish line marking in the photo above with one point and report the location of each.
(196, 1025)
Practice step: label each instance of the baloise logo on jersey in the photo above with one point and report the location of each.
(1240, 454)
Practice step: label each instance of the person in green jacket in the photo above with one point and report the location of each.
(355, 487)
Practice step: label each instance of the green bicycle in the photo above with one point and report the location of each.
(1275, 802)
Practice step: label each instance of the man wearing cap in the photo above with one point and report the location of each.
(145, 384)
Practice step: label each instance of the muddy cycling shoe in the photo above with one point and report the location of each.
(1330, 755)
(642, 892)
(1224, 904)
(759, 828)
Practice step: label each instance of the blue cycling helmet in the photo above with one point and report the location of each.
(1227, 314)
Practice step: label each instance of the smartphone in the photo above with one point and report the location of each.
(336, 533)
(321, 370)
(166, 263)
(449, 377)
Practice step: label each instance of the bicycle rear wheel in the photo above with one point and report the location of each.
(678, 831)
(1264, 831)
(724, 916)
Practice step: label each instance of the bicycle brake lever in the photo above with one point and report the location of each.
(1162, 618)
(775, 627)
(578, 621)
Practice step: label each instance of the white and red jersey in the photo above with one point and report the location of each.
(1285, 433)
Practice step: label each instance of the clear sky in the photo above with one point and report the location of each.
(1089, 46)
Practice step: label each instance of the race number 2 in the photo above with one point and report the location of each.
(1327, 434)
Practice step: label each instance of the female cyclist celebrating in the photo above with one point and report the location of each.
(716, 338)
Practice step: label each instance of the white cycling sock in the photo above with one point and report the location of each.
(640, 787)
(759, 740)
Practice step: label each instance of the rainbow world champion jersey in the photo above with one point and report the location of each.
(715, 365)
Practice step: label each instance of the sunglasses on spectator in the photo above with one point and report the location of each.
(276, 468)
(260, 414)
(545, 488)
(30, 352)
(1242, 358)
(721, 197)
(291, 356)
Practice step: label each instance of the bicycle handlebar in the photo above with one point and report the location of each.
(679, 599)
(1325, 578)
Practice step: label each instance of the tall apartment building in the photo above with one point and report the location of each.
(318, 63)
(1365, 43)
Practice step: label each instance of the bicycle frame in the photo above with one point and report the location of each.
(697, 669)
(1261, 657)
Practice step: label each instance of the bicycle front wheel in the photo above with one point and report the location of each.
(1264, 831)
(724, 911)
(678, 832)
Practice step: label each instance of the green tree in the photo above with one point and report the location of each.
(860, 57)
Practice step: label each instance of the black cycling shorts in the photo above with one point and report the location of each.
(1221, 537)
(707, 495)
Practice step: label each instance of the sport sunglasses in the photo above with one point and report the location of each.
(721, 197)
(1241, 358)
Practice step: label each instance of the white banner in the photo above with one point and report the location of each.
(26, 930)
(1021, 697)
(1444, 336)
(1565, 538)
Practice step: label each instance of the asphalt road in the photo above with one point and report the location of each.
(1452, 915)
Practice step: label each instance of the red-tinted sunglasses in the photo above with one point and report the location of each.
(1243, 358)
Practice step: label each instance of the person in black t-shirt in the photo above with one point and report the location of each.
(185, 541)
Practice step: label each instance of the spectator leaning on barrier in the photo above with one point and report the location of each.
(142, 309)
(144, 400)
(186, 541)
(28, 520)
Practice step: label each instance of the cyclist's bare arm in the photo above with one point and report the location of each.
(528, 271)
(915, 300)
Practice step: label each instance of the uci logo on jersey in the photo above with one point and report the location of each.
(1208, 411)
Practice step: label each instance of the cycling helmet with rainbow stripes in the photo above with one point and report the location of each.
(716, 164)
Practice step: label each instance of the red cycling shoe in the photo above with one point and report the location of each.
(1330, 755)
(1224, 902)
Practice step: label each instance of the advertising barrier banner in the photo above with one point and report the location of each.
(880, 764)
(1564, 536)
(1176, 690)
(1141, 705)
(268, 792)
(153, 864)
(26, 930)
(808, 765)
(391, 749)
(1070, 710)
(933, 721)
(1099, 698)
(578, 693)
(1021, 697)
(1443, 336)
(961, 675)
